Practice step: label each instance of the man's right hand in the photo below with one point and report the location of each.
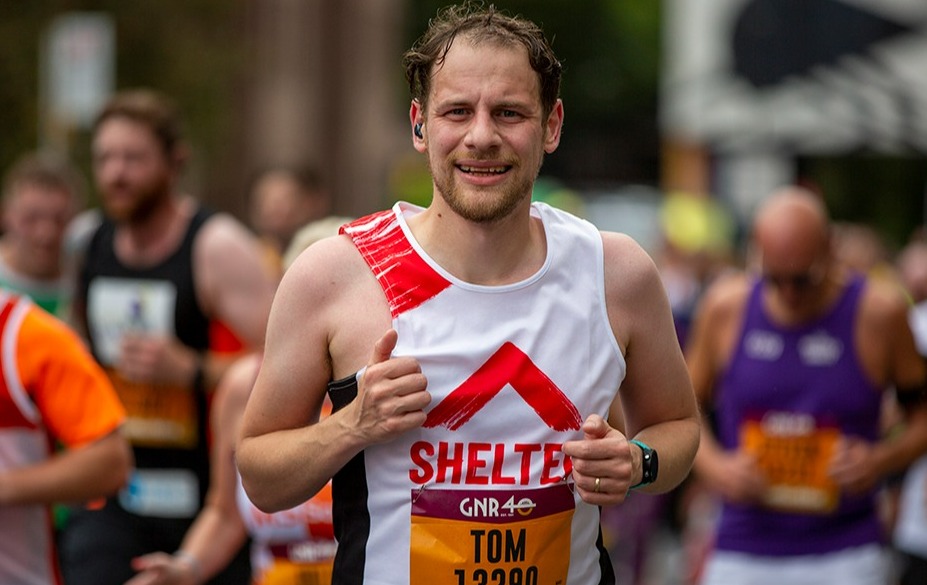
(391, 394)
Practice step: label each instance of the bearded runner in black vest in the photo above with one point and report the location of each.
(158, 275)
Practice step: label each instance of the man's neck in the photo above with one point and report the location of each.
(816, 307)
(149, 240)
(491, 254)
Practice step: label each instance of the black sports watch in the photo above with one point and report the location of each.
(650, 464)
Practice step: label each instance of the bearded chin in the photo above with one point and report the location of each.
(483, 206)
(141, 206)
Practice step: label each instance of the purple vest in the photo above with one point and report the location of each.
(797, 381)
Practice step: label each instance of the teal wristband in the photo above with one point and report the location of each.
(650, 464)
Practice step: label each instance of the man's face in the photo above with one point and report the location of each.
(279, 208)
(796, 272)
(132, 171)
(34, 221)
(485, 133)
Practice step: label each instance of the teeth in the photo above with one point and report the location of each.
(488, 170)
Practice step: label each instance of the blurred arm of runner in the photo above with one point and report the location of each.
(734, 475)
(218, 532)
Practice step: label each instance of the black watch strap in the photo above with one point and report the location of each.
(650, 464)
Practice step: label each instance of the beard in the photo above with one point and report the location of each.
(133, 203)
(483, 204)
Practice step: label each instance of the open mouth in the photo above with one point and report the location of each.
(484, 171)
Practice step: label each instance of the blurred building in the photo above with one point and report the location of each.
(750, 87)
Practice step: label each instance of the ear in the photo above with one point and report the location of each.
(553, 127)
(417, 116)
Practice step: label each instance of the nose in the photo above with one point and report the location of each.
(110, 166)
(48, 231)
(482, 134)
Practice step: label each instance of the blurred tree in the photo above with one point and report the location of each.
(885, 192)
(188, 49)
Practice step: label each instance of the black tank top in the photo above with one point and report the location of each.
(190, 326)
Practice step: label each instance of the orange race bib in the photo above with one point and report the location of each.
(501, 537)
(157, 416)
(794, 453)
(286, 572)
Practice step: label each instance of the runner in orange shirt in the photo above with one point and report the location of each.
(51, 391)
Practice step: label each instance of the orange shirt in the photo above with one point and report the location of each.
(51, 390)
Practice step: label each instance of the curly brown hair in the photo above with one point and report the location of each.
(481, 24)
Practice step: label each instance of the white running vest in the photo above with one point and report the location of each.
(482, 492)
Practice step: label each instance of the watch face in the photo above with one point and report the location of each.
(654, 466)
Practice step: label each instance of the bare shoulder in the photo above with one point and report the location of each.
(625, 253)
(726, 296)
(634, 295)
(329, 263)
(223, 234)
(629, 268)
(713, 335)
(883, 301)
(331, 288)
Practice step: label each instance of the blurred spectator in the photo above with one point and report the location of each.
(292, 547)
(910, 530)
(860, 248)
(792, 367)
(158, 273)
(52, 393)
(281, 201)
(41, 194)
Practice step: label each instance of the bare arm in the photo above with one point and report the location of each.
(285, 454)
(93, 471)
(887, 348)
(657, 404)
(733, 475)
(79, 408)
(234, 284)
(218, 532)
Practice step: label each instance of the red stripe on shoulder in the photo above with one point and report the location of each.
(406, 279)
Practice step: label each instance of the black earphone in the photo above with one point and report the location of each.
(417, 130)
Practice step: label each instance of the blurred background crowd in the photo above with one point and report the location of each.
(681, 117)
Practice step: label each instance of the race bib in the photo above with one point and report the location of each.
(284, 572)
(512, 537)
(164, 493)
(157, 416)
(794, 454)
